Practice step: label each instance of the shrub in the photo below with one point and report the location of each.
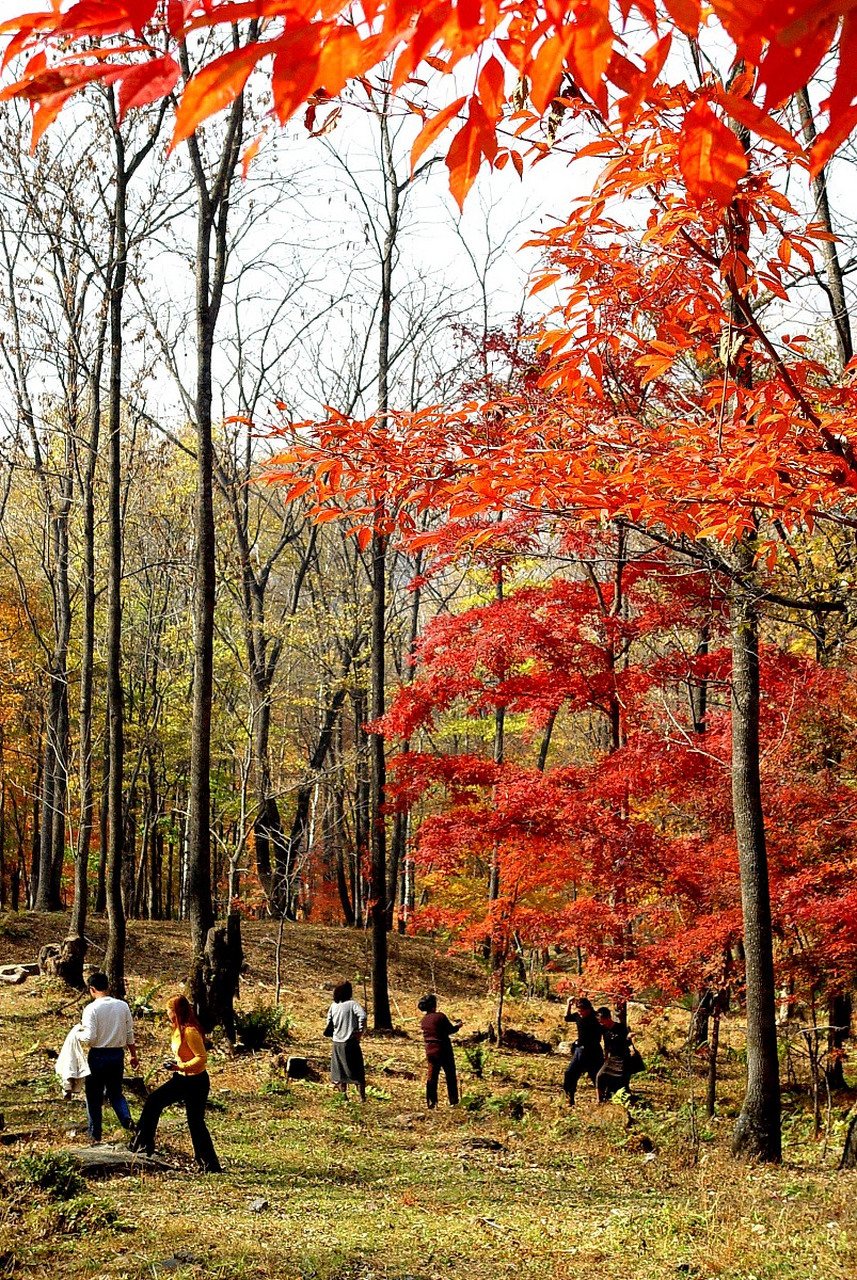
(264, 1027)
(477, 1058)
(514, 1104)
(276, 1087)
(142, 1005)
(473, 1102)
(52, 1172)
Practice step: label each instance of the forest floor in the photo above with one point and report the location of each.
(513, 1183)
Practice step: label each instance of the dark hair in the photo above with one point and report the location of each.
(583, 1003)
(342, 992)
(99, 982)
(428, 1004)
(603, 1012)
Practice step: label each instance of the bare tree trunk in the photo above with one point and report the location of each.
(378, 780)
(362, 818)
(713, 1048)
(382, 1015)
(757, 1130)
(103, 826)
(216, 961)
(48, 897)
(154, 852)
(399, 847)
(87, 655)
(35, 835)
(829, 252)
(114, 960)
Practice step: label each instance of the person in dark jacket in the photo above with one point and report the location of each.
(586, 1055)
(615, 1073)
(437, 1029)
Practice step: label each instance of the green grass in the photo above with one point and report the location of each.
(521, 1187)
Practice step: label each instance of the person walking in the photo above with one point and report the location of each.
(108, 1029)
(437, 1029)
(346, 1022)
(189, 1085)
(587, 1057)
(615, 1072)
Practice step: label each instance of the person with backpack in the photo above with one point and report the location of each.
(616, 1071)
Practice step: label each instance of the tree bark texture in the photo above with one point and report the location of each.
(114, 959)
(757, 1130)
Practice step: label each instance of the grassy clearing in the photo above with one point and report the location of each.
(389, 1191)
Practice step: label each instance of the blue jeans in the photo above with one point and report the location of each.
(106, 1068)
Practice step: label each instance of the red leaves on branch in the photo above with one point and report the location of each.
(214, 88)
(147, 82)
(578, 44)
(711, 156)
(433, 128)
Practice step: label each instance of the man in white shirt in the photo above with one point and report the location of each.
(109, 1029)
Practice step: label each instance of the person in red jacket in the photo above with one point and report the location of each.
(437, 1029)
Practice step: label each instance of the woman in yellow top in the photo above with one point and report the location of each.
(189, 1085)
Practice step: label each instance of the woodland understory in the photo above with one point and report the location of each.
(511, 1183)
(511, 602)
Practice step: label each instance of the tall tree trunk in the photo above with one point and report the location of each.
(58, 840)
(87, 653)
(491, 949)
(41, 873)
(62, 608)
(828, 248)
(757, 1130)
(154, 852)
(362, 819)
(399, 848)
(103, 825)
(378, 781)
(35, 834)
(377, 677)
(199, 889)
(217, 958)
(114, 960)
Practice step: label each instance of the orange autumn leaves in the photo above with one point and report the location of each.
(538, 50)
(711, 156)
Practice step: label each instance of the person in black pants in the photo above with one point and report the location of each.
(586, 1056)
(189, 1085)
(437, 1029)
(615, 1074)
